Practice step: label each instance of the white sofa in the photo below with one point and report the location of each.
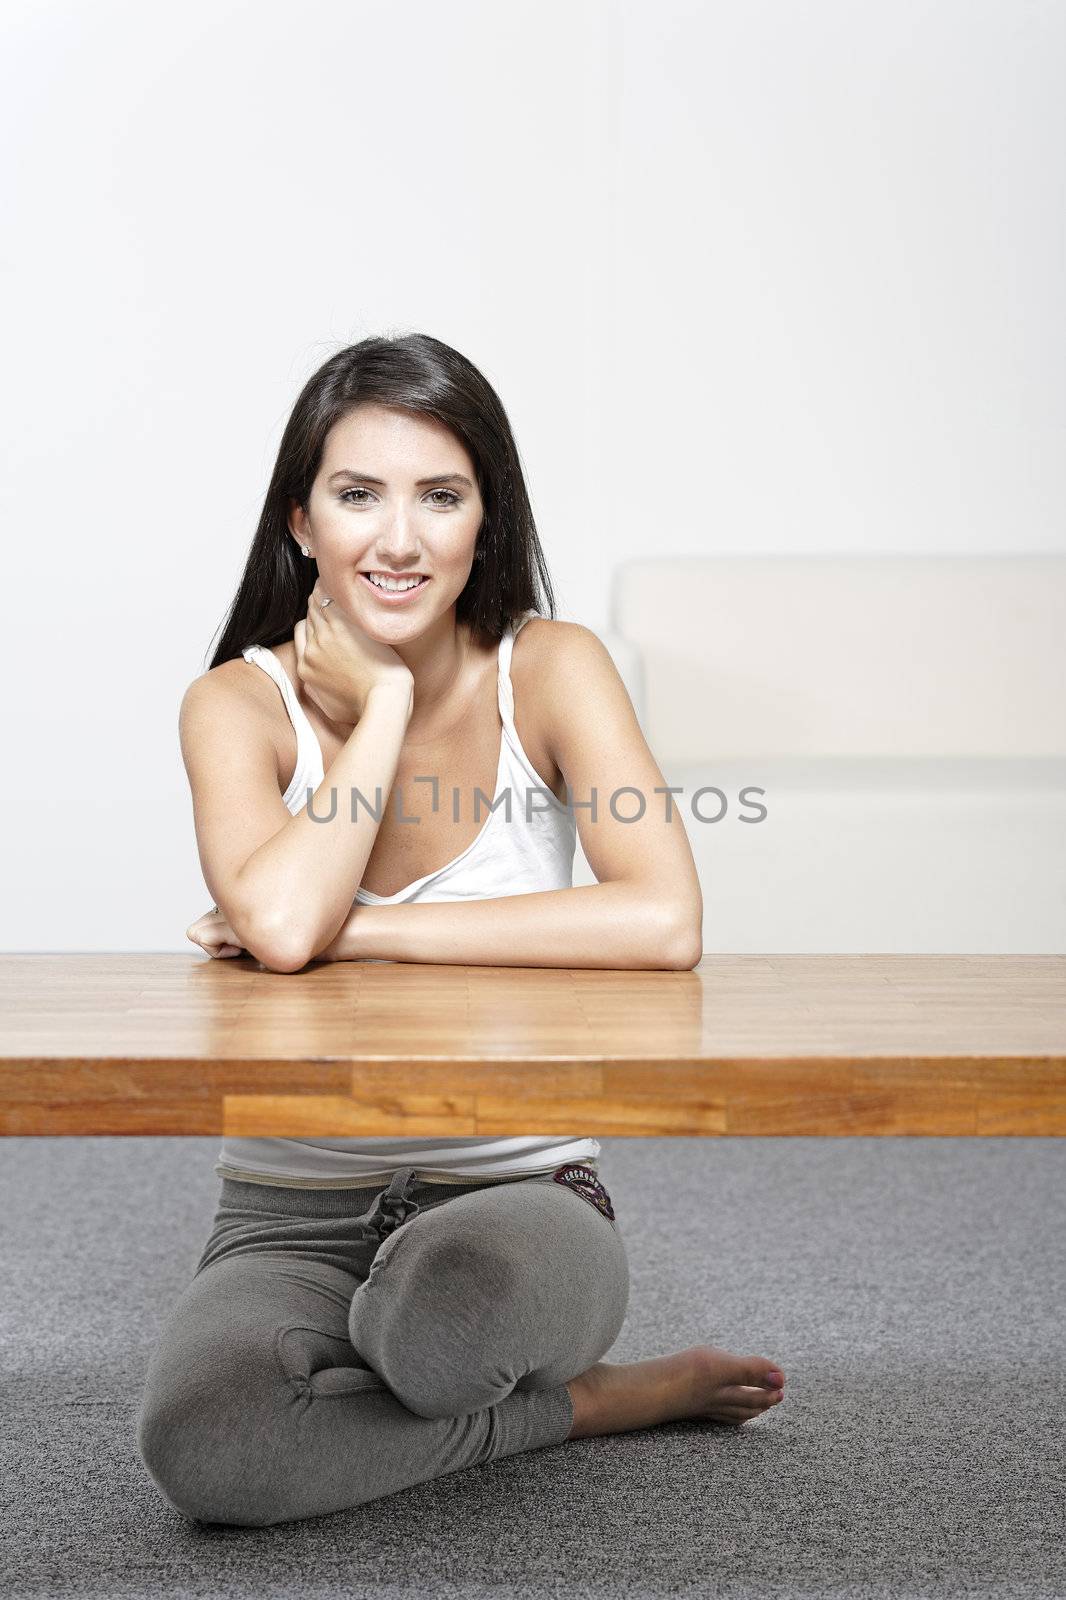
(905, 717)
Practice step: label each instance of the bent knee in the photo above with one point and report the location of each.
(200, 1479)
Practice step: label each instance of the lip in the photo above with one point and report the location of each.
(394, 599)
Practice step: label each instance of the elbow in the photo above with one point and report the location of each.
(688, 956)
(682, 945)
(671, 936)
(277, 949)
(283, 961)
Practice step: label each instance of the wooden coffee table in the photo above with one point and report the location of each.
(745, 1044)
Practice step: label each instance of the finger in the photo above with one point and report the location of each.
(211, 933)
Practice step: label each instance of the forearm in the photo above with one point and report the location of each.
(610, 925)
(299, 884)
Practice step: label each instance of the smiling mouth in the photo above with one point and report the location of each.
(410, 588)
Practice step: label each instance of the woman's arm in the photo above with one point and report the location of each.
(645, 910)
(284, 882)
(595, 925)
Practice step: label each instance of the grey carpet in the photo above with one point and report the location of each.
(911, 1288)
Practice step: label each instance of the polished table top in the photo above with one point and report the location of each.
(745, 1044)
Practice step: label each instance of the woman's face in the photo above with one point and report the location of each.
(373, 509)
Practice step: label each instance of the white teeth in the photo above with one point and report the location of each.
(392, 583)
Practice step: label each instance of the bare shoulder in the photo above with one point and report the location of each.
(550, 654)
(231, 683)
(561, 670)
(547, 642)
(542, 649)
(235, 698)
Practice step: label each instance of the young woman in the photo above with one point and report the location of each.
(371, 1313)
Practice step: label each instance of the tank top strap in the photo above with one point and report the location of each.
(306, 738)
(504, 685)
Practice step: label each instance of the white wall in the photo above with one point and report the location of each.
(757, 277)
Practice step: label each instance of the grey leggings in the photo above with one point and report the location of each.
(334, 1345)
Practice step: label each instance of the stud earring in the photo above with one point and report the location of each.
(305, 550)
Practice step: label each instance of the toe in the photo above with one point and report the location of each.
(762, 1372)
(750, 1398)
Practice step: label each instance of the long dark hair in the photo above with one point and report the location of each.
(420, 374)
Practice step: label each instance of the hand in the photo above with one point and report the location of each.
(338, 663)
(213, 933)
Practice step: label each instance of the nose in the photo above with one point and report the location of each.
(402, 558)
(398, 545)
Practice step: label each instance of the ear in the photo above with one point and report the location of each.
(297, 521)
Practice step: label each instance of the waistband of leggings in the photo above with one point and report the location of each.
(299, 1202)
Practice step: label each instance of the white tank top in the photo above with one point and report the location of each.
(519, 856)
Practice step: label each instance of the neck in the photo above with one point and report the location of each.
(436, 661)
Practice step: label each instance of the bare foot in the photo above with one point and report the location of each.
(704, 1381)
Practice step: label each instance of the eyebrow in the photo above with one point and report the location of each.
(421, 483)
